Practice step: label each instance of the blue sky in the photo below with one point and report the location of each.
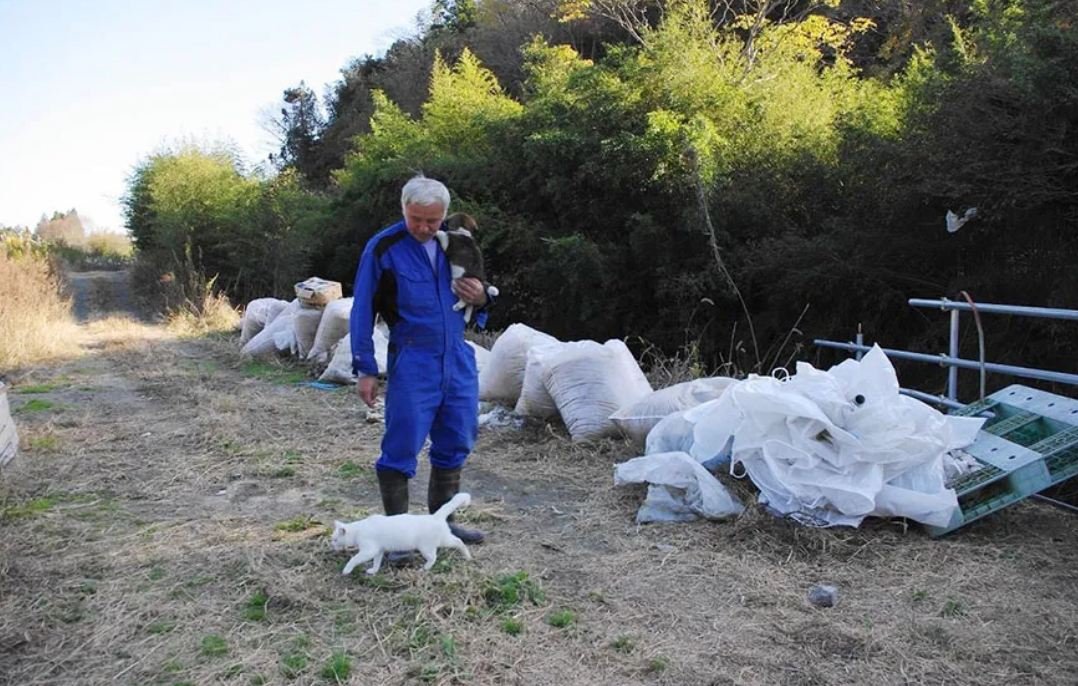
(93, 86)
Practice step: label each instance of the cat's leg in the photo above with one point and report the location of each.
(454, 542)
(377, 564)
(364, 555)
(431, 555)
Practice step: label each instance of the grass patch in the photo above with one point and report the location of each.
(35, 405)
(623, 644)
(282, 473)
(294, 662)
(297, 524)
(255, 608)
(28, 509)
(273, 372)
(30, 389)
(44, 444)
(338, 669)
(161, 626)
(561, 619)
(350, 470)
(213, 646)
(510, 590)
(512, 626)
(658, 664)
(953, 608)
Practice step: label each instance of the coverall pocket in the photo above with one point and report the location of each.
(416, 291)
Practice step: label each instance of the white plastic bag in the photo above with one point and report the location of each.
(681, 489)
(535, 400)
(589, 382)
(503, 375)
(258, 314)
(331, 329)
(639, 418)
(277, 336)
(836, 446)
(340, 366)
(482, 356)
(305, 323)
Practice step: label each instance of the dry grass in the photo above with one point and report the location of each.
(35, 317)
(214, 314)
(170, 528)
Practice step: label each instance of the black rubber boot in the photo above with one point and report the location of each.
(444, 484)
(394, 488)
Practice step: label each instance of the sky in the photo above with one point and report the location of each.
(92, 87)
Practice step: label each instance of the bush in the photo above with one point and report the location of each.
(36, 322)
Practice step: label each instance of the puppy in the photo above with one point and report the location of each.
(378, 534)
(465, 258)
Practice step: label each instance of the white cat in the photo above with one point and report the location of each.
(378, 534)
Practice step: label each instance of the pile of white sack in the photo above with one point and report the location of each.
(597, 389)
(315, 334)
(824, 448)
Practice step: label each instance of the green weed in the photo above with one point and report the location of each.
(28, 509)
(38, 388)
(45, 444)
(297, 524)
(273, 373)
(623, 644)
(213, 646)
(561, 619)
(35, 405)
(658, 664)
(953, 608)
(255, 609)
(513, 627)
(338, 669)
(510, 590)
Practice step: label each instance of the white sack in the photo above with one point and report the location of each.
(340, 366)
(503, 375)
(639, 418)
(9, 438)
(482, 356)
(331, 329)
(277, 336)
(681, 489)
(257, 314)
(589, 382)
(535, 400)
(305, 323)
(814, 451)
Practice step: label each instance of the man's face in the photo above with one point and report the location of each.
(423, 220)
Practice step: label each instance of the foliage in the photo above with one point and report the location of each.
(761, 156)
(36, 322)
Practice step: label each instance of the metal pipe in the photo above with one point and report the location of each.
(948, 361)
(952, 350)
(1053, 501)
(929, 398)
(1019, 310)
(860, 341)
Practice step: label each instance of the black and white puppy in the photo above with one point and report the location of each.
(465, 258)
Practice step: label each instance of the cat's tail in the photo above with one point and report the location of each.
(459, 500)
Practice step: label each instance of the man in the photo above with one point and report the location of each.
(432, 387)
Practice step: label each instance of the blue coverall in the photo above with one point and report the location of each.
(432, 387)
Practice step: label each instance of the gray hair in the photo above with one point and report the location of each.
(423, 191)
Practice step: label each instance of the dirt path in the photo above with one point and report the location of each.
(165, 524)
(101, 293)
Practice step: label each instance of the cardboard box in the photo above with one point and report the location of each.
(318, 292)
(9, 440)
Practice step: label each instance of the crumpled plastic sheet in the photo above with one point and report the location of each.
(680, 490)
(831, 446)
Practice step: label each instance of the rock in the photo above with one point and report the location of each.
(823, 595)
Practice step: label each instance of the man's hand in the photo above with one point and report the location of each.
(470, 290)
(367, 388)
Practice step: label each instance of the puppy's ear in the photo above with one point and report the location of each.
(461, 220)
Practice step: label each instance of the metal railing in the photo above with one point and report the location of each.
(952, 361)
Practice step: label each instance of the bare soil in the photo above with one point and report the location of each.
(166, 523)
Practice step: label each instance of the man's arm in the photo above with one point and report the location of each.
(361, 324)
